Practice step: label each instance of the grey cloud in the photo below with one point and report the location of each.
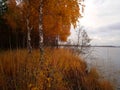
(115, 27)
(107, 19)
(108, 34)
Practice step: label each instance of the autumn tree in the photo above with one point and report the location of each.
(27, 8)
(56, 18)
(19, 17)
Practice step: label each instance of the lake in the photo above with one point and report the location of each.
(107, 61)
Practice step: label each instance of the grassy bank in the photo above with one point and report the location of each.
(61, 70)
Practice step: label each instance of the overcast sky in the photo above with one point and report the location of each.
(102, 20)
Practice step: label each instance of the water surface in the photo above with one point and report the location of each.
(107, 61)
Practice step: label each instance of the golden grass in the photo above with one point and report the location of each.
(61, 70)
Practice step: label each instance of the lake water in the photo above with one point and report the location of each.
(107, 61)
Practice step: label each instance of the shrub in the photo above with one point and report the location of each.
(61, 70)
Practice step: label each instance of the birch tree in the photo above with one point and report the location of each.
(41, 29)
(49, 18)
(29, 28)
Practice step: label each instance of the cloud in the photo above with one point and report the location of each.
(109, 28)
(101, 12)
(102, 21)
(115, 26)
(106, 35)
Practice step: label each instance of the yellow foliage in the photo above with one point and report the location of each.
(58, 15)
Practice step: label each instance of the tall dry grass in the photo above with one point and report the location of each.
(61, 70)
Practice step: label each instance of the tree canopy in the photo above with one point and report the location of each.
(58, 16)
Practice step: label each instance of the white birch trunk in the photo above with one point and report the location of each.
(41, 29)
(28, 36)
(28, 28)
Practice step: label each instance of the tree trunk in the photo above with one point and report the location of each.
(28, 36)
(41, 30)
(28, 28)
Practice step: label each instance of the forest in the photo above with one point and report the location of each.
(20, 21)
